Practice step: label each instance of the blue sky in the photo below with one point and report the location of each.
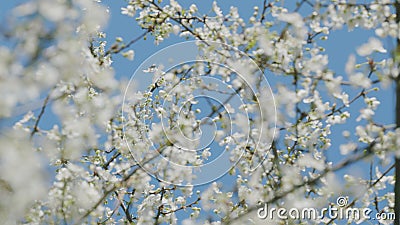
(339, 46)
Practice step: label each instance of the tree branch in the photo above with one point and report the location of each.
(118, 50)
(35, 127)
(314, 181)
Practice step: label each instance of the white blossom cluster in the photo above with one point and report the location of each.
(81, 157)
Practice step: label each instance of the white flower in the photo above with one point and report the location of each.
(169, 77)
(365, 114)
(310, 161)
(373, 45)
(129, 11)
(338, 119)
(175, 5)
(206, 153)
(22, 181)
(344, 97)
(53, 10)
(350, 65)
(296, 20)
(372, 102)
(363, 135)
(176, 29)
(346, 133)
(266, 44)
(129, 54)
(153, 68)
(347, 148)
(193, 8)
(360, 80)
(216, 9)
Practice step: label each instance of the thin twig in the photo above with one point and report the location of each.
(265, 6)
(35, 127)
(116, 51)
(369, 187)
(315, 180)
